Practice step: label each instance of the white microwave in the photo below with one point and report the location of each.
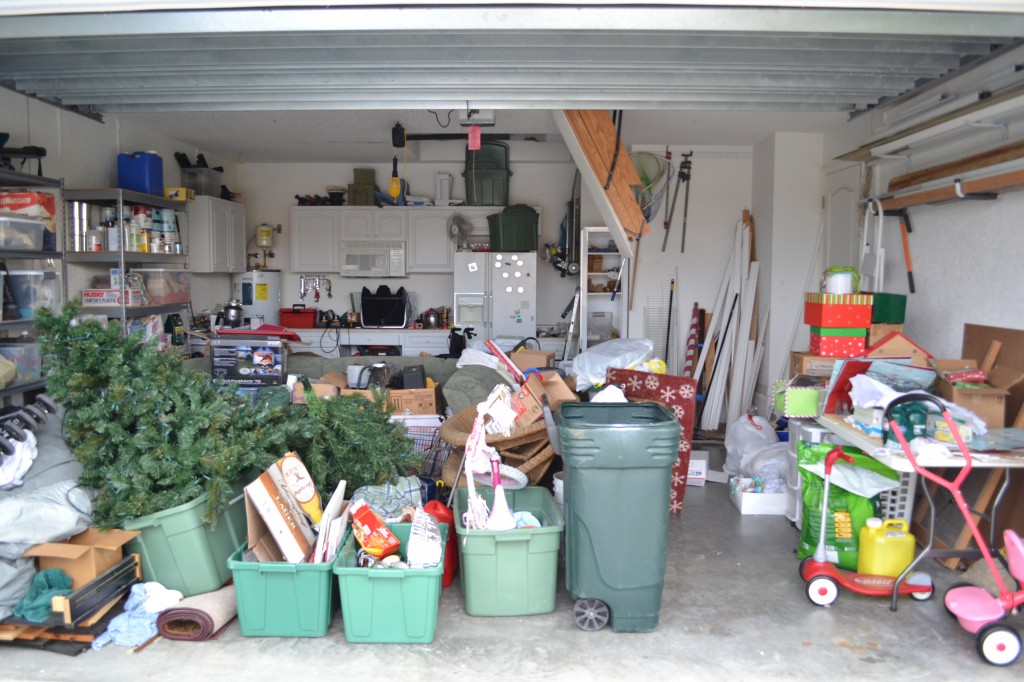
(372, 259)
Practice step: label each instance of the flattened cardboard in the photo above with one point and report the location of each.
(83, 556)
(275, 533)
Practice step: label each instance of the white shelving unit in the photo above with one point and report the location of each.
(604, 287)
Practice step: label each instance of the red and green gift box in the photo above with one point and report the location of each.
(838, 342)
(838, 310)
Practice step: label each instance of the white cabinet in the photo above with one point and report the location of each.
(430, 249)
(389, 225)
(604, 287)
(429, 341)
(216, 235)
(353, 224)
(315, 236)
(317, 233)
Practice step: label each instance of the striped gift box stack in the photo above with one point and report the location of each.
(839, 323)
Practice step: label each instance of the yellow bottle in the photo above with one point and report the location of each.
(886, 547)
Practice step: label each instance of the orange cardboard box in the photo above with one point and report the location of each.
(371, 533)
(84, 556)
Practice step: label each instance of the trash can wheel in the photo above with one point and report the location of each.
(591, 614)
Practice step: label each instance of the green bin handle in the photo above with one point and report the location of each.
(386, 573)
(278, 567)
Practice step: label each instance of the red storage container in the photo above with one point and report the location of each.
(298, 317)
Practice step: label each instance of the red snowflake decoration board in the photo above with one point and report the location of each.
(679, 394)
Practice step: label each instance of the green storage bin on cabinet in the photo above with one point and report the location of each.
(510, 572)
(514, 229)
(616, 490)
(180, 552)
(388, 605)
(487, 187)
(282, 599)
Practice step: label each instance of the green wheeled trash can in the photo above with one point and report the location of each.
(618, 473)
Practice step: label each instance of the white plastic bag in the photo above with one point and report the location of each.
(591, 366)
(769, 463)
(743, 438)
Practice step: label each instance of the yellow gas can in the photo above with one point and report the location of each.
(886, 547)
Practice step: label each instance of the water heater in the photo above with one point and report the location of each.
(260, 294)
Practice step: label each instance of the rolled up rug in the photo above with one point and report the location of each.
(199, 617)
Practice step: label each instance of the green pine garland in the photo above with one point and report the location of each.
(152, 435)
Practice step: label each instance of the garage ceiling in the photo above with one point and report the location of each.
(276, 71)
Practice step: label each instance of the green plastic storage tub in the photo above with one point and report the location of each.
(616, 489)
(180, 552)
(282, 599)
(487, 187)
(492, 155)
(388, 605)
(510, 572)
(514, 229)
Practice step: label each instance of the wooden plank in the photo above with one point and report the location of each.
(596, 133)
(990, 356)
(1012, 180)
(1008, 152)
(9, 633)
(579, 140)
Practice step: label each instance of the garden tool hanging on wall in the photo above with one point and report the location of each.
(684, 175)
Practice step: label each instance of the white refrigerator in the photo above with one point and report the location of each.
(496, 293)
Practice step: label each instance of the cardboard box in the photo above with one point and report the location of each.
(84, 556)
(277, 528)
(92, 298)
(989, 401)
(179, 194)
(697, 473)
(527, 402)
(757, 503)
(415, 400)
(808, 363)
(533, 359)
(320, 389)
(340, 382)
(878, 331)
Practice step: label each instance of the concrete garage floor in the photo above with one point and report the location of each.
(733, 608)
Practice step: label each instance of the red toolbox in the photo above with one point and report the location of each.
(298, 317)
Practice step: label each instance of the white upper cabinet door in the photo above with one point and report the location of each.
(430, 248)
(314, 239)
(389, 224)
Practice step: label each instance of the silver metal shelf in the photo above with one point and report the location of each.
(127, 196)
(129, 257)
(22, 387)
(30, 255)
(9, 178)
(120, 312)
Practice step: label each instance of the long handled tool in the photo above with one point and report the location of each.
(905, 229)
(683, 176)
(668, 328)
(572, 308)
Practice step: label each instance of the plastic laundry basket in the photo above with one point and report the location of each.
(617, 481)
